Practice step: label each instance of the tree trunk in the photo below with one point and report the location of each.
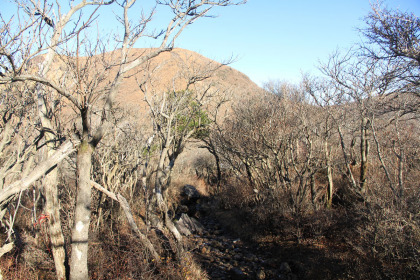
(159, 200)
(50, 182)
(384, 167)
(163, 206)
(346, 161)
(400, 172)
(330, 186)
(219, 172)
(248, 173)
(52, 208)
(212, 149)
(364, 150)
(313, 191)
(80, 232)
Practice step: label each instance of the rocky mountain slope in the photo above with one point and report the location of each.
(171, 71)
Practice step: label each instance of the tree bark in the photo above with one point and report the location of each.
(364, 150)
(219, 171)
(400, 172)
(159, 200)
(346, 161)
(80, 232)
(384, 167)
(313, 192)
(52, 205)
(330, 186)
(52, 208)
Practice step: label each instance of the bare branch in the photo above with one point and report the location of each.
(62, 152)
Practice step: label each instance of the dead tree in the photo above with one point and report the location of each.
(15, 68)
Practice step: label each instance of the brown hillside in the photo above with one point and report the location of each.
(167, 71)
(170, 70)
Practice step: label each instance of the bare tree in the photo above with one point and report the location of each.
(36, 35)
(392, 39)
(371, 95)
(179, 115)
(324, 97)
(49, 23)
(393, 42)
(273, 142)
(17, 150)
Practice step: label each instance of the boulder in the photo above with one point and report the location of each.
(190, 199)
(236, 273)
(261, 274)
(187, 225)
(285, 268)
(189, 192)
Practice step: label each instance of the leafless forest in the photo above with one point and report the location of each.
(318, 180)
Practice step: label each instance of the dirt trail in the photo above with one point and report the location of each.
(224, 256)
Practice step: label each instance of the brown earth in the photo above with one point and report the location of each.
(168, 71)
(171, 69)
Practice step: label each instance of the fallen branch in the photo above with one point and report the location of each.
(62, 152)
(126, 207)
(6, 248)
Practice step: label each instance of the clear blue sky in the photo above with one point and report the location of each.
(272, 39)
(277, 39)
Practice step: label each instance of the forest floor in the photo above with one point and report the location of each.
(231, 254)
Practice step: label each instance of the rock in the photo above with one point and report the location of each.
(251, 258)
(285, 268)
(218, 232)
(236, 274)
(204, 250)
(190, 193)
(190, 200)
(292, 276)
(216, 244)
(216, 275)
(254, 266)
(187, 225)
(261, 274)
(297, 266)
(237, 257)
(182, 209)
(215, 250)
(226, 258)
